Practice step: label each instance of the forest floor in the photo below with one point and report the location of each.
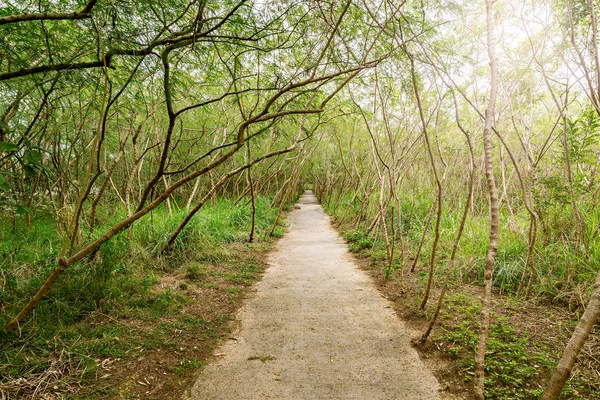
(316, 328)
(174, 347)
(153, 355)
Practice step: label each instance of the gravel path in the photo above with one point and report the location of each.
(317, 328)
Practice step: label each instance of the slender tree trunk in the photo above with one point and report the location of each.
(400, 235)
(65, 263)
(423, 235)
(461, 228)
(251, 184)
(533, 218)
(194, 190)
(350, 204)
(168, 202)
(30, 200)
(573, 348)
(336, 202)
(494, 212)
(511, 214)
(284, 200)
(103, 187)
(88, 182)
(383, 222)
(214, 188)
(438, 184)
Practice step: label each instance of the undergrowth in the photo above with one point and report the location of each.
(106, 308)
(565, 269)
(518, 363)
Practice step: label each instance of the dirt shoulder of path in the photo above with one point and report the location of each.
(168, 370)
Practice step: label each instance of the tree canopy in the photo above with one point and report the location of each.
(461, 137)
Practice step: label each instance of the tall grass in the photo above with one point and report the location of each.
(561, 267)
(120, 269)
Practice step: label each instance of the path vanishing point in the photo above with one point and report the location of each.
(317, 328)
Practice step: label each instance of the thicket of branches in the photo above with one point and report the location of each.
(130, 105)
(112, 109)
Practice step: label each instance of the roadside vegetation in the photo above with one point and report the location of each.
(466, 176)
(526, 335)
(132, 322)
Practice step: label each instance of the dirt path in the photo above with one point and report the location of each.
(316, 329)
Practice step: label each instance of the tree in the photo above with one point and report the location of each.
(493, 207)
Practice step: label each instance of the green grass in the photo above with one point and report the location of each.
(561, 266)
(512, 368)
(359, 240)
(195, 272)
(515, 363)
(120, 283)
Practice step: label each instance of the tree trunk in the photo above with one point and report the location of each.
(461, 228)
(194, 190)
(494, 213)
(251, 184)
(438, 185)
(213, 190)
(425, 229)
(578, 339)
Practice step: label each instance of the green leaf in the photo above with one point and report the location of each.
(4, 184)
(8, 146)
(33, 157)
(21, 210)
(44, 170)
(29, 170)
(41, 149)
(26, 141)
